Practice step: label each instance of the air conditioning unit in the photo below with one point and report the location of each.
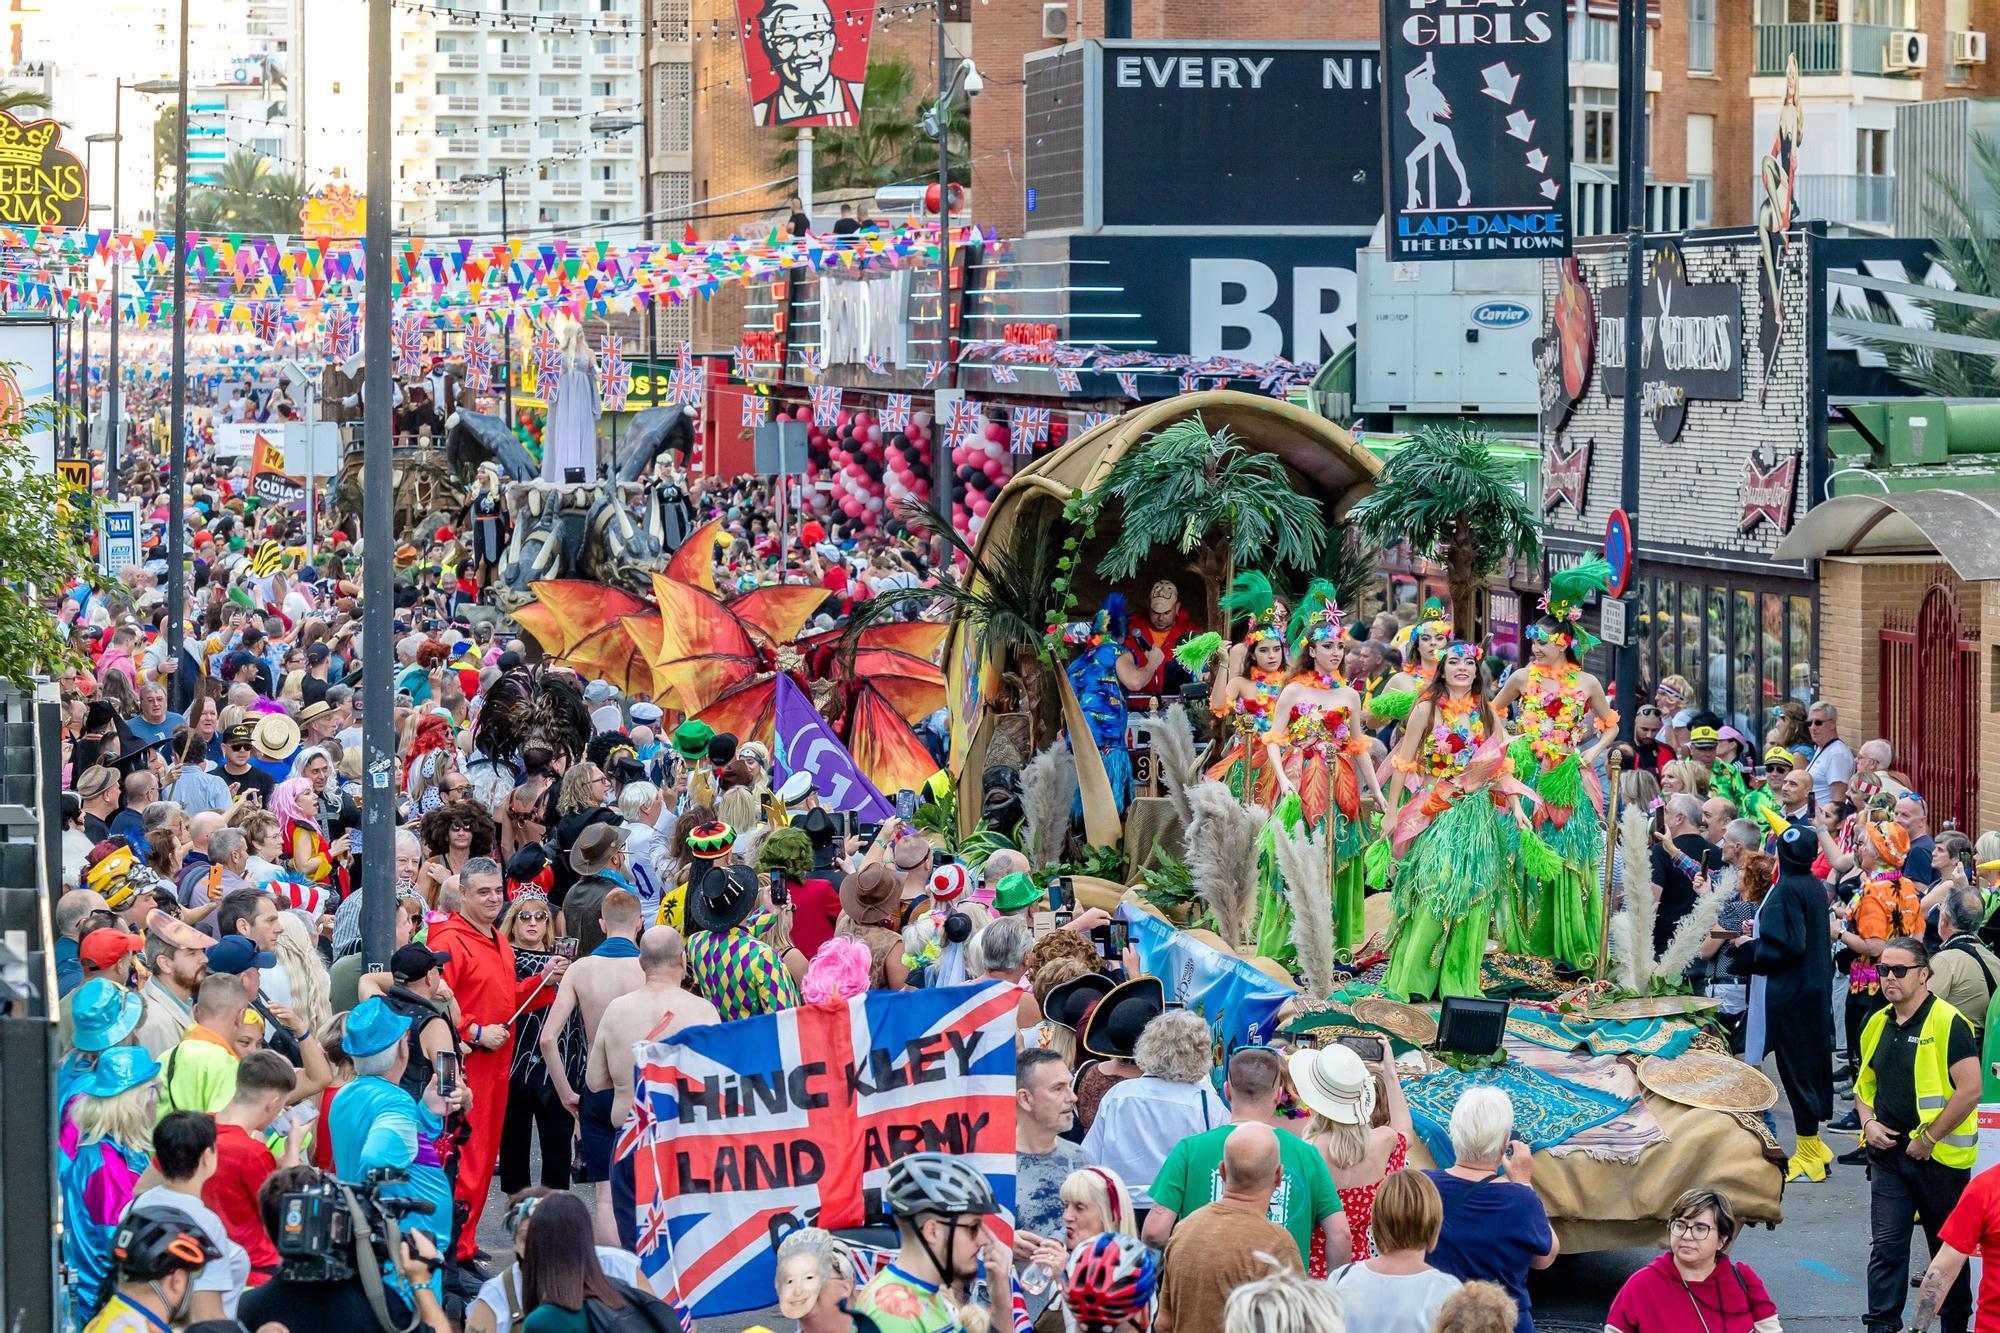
(1055, 22)
(1907, 51)
(1968, 48)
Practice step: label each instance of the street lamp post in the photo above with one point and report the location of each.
(939, 123)
(116, 393)
(378, 719)
(177, 426)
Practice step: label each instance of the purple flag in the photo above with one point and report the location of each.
(806, 744)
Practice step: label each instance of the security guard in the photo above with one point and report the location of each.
(1916, 1094)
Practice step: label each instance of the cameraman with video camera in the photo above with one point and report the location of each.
(326, 1262)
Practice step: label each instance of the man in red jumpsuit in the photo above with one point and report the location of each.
(480, 972)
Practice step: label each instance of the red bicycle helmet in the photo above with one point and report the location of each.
(1112, 1280)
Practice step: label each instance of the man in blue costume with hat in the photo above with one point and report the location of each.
(374, 1123)
(1101, 674)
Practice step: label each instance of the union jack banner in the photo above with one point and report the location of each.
(409, 332)
(617, 375)
(270, 321)
(967, 425)
(1092, 420)
(896, 413)
(809, 360)
(543, 352)
(685, 388)
(479, 378)
(343, 335)
(1004, 374)
(756, 409)
(1031, 427)
(825, 405)
(742, 1130)
(1128, 383)
(1190, 382)
(932, 369)
(478, 350)
(1068, 380)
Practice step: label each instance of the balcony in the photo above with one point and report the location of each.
(462, 106)
(565, 64)
(565, 147)
(615, 147)
(565, 189)
(461, 60)
(1593, 41)
(1868, 201)
(1826, 49)
(457, 145)
(512, 147)
(1598, 210)
(615, 189)
(512, 106)
(619, 64)
(518, 61)
(565, 106)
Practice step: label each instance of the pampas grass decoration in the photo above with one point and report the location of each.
(1309, 892)
(1173, 752)
(1633, 926)
(1222, 856)
(1048, 794)
(1689, 934)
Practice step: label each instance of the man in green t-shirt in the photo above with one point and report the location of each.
(1305, 1197)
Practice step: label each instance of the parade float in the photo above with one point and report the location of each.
(1623, 1086)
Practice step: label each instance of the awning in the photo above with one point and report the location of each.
(1958, 526)
(1608, 9)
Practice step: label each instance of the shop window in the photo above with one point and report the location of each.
(1744, 703)
(1799, 632)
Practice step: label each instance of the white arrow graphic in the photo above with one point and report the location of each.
(1520, 125)
(1537, 160)
(1500, 83)
(1550, 189)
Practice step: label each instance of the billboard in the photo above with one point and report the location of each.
(1475, 130)
(806, 60)
(1252, 134)
(42, 184)
(28, 387)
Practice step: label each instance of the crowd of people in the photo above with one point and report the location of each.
(576, 871)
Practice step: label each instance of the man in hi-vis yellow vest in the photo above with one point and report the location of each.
(1916, 1094)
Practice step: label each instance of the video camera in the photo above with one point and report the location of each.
(318, 1228)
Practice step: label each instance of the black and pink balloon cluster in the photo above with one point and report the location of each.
(982, 465)
(870, 469)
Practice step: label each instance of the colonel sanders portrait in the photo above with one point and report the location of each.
(799, 40)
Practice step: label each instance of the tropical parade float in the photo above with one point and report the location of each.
(1145, 693)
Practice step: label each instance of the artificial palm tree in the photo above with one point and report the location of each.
(1003, 597)
(1969, 253)
(1349, 561)
(1450, 498)
(887, 147)
(1220, 503)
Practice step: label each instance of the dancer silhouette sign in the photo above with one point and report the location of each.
(1475, 128)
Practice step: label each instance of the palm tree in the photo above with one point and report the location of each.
(1969, 253)
(166, 134)
(1004, 598)
(887, 147)
(1350, 562)
(248, 195)
(1450, 498)
(16, 101)
(1224, 505)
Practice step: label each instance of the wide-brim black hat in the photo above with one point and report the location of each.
(1067, 1004)
(723, 898)
(1112, 1030)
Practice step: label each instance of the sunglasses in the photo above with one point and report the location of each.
(1647, 710)
(532, 916)
(1896, 970)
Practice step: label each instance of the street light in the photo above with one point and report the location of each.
(507, 316)
(177, 414)
(114, 396)
(609, 124)
(937, 121)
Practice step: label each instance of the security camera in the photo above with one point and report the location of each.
(974, 85)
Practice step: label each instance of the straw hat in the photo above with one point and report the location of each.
(276, 736)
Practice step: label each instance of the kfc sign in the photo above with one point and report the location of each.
(806, 60)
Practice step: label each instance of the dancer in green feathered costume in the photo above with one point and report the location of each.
(1450, 837)
(1317, 748)
(1247, 688)
(1558, 901)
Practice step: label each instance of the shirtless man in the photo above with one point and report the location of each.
(654, 1011)
(611, 969)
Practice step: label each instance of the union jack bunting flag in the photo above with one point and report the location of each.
(478, 351)
(825, 405)
(896, 413)
(617, 375)
(1092, 420)
(756, 409)
(932, 369)
(1190, 382)
(740, 1130)
(270, 321)
(1068, 380)
(1031, 427)
(1003, 374)
(479, 378)
(967, 424)
(874, 363)
(343, 335)
(1128, 383)
(809, 360)
(409, 333)
(543, 352)
(685, 388)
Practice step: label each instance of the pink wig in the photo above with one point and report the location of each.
(839, 971)
(285, 799)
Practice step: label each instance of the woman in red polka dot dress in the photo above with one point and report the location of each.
(1361, 1126)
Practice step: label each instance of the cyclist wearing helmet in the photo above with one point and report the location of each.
(940, 1204)
(155, 1257)
(1110, 1285)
